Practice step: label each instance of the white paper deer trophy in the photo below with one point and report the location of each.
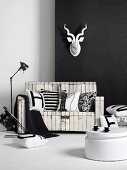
(75, 46)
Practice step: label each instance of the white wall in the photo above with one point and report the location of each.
(27, 33)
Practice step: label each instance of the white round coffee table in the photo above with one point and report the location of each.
(106, 146)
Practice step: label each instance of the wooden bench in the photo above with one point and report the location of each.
(64, 121)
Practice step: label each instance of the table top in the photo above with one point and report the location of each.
(115, 132)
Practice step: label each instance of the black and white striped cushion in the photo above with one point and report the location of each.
(51, 100)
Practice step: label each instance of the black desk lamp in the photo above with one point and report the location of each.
(23, 67)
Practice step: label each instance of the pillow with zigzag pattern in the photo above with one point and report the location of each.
(117, 110)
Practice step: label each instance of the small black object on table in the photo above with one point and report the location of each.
(106, 129)
(95, 128)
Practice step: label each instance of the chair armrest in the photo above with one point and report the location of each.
(21, 113)
(99, 108)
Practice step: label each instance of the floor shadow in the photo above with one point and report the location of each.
(76, 152)
(13, 145)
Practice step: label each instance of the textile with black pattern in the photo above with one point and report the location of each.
(34, 121)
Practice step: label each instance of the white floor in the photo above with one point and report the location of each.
(65, 152)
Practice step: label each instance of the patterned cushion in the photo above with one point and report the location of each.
(36, 100)
(117, 110)
(51, 100)
(122, 121)
(68, 101)
(62, 101)
(108, 121)
(86, 100)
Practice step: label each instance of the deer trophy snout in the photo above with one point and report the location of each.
(75, 48)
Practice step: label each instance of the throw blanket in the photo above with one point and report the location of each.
(34, 121)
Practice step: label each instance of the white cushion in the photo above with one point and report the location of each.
(30, 142)
(36, 100)
(117, 110)
(108, 121)
(71, 103)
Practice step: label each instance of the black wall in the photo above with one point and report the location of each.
(103, 57)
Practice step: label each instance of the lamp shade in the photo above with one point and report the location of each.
(23, 66)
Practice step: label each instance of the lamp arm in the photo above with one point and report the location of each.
(15, 73)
